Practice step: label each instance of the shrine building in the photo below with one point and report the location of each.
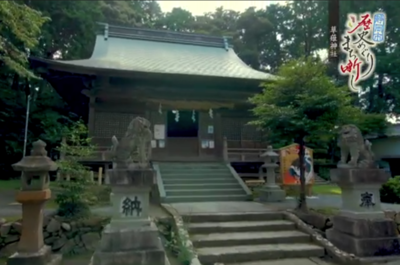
(192, 88)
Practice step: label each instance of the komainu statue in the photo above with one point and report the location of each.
(134, 149)
(351, 142)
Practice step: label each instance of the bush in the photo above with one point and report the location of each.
(390, 191)
(72, 200)
(324, 173)
(74, 197)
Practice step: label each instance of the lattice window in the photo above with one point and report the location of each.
(250, 132)
(107, 124)
(231, 128)
(236, 129)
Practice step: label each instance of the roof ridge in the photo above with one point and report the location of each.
(164, 36)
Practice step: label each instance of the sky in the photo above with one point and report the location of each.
(201, 7)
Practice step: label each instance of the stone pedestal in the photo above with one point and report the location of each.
(361, 227)
(270, 192)
(130, 238)
(33, 195)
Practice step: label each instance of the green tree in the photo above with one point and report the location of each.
(253, 31)
(19, 33)
(177, 20)
(70, 31)
(73, 199)
(302, 105)
(20, 29)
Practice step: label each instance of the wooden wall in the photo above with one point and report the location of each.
(113, 119)
(239, 133)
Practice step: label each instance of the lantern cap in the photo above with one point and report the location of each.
(270, 152)
(37, 161)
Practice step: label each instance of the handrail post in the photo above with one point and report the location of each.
(225, 149)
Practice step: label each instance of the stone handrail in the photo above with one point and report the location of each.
(241, 182)
(160, 184)
(225, 150)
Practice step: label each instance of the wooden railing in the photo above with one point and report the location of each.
(231, 152)
(95, 177)
(240, 154)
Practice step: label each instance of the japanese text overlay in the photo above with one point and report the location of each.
(362, 33)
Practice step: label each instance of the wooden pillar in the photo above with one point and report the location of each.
(225, 154)
(92, 113)
(101, 82)
(100, 176)
(218, 137)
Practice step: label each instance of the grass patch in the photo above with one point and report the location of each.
(15, 184)
(330, 211)
(328, 189)
(13, 218)
(12, 184)
(100, 193)
(51, 204)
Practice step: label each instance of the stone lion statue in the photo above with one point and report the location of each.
(351, 142)
(134, 149)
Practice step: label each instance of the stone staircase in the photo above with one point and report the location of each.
(245, 238)
(200, 182)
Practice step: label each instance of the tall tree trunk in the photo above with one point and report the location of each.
(302, 203)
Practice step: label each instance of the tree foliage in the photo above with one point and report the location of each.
(20, 28)
(304, 104)
(73, 199)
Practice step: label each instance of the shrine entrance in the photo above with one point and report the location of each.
(182, 133)
(182, 124)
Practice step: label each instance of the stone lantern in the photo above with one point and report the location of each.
(33, 195)
(270, 192)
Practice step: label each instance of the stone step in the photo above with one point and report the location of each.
(209, 185)
(190, 171)
(249, 238)
(184, 167)
(233, 217)
(179, 174)
(197, 164)
(297, 261)
(213, 198)
(226, 227)
(237, 254)
(205, 180)
(204, 192)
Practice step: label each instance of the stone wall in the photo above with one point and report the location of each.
(395, 216)
(66, 237)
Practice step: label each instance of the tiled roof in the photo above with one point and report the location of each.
(166, 57)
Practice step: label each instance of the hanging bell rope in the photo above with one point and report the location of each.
(193, 116)
(176, 115)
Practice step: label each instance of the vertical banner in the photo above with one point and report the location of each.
(333, 28)
(290, 165)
